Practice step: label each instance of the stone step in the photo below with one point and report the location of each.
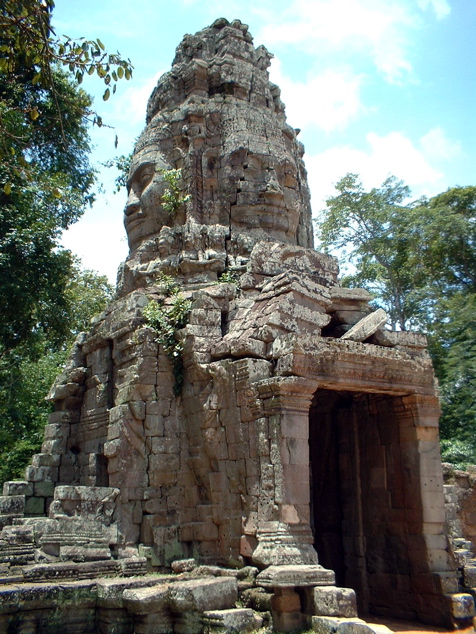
(233, 620)
(461, 555)
(338, 625)
(12, 505)
(469, 576)
(18, 487)
(461, 605)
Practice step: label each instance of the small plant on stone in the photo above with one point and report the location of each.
(172, 198)
(229, 277)
(166, 320)
(167, 284)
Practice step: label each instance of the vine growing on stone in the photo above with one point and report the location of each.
(166, 319)
(172, 198)
(229, 276)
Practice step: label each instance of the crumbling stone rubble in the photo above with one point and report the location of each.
(283, 429)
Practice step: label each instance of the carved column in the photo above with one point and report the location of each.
(284, 533)
(420, 444)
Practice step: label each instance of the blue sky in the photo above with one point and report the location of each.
(377, 87)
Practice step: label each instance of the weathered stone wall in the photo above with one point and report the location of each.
(460, 492)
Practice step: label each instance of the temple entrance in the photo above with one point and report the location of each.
(365, 508)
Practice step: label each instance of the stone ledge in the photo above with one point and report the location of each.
(295, 576)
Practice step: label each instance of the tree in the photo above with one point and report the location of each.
(447, 230)
(46, 179)
(30, 50)
(419, 261)
(370, 231)
(24, 382)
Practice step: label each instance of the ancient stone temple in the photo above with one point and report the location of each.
(234, 405)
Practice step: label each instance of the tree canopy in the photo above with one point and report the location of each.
(46, 178)
(46, 182)
(418, 258)
(25, 381)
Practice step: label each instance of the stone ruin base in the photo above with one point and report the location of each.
(202, 600)
(68, 571)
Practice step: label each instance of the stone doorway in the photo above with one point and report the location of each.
(366, 508)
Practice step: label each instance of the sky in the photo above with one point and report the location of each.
(377, 87)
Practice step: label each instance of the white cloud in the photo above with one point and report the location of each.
(378, 29)
(329, 100)
(436, 145)
(132, 105)
(393, 154)
(99, 238)
(124, 117)
(440, 7)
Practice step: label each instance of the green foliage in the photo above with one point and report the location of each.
(30, 49)
(419, 260)
(447, 240)
(459, 453)
(172, 198)
(122, 164)
(23, 409)
(166, 319)
(369, 229)
(167, 284)
(46, 181)
(229, 277)
(87, 294)
(27, 373)
(453, 347)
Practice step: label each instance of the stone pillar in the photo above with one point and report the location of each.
(427, 542)
(284, 532)
(420, 447)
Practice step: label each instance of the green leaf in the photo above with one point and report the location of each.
(101, 45)
(7, 188)
(106, 95)
(120, 72)
(34, 114)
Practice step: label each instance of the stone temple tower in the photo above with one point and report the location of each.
(291, 430)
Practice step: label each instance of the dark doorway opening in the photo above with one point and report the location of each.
(360, 495)
(102, 474)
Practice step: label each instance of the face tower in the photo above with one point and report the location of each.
(217, 118)
(265, 416)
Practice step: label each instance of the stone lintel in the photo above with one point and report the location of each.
(295, 576)
(286, 393)
(425, 409)
(338, 364)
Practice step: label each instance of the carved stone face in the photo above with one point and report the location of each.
(143, 214)
(267, 196)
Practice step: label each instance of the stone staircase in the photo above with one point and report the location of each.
(456, 492)
(77, 540)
